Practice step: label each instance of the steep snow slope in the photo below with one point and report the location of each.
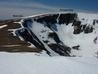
(67, 33)
(29, 63)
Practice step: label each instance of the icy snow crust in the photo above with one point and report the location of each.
(64, 34)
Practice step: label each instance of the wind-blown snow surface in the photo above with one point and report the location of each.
(31, 63)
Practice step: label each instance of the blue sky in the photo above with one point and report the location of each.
(28, 7)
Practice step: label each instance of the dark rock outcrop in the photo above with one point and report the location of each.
(61, 49)
(95, 40)
(76, 47)
(67, 18)
(54, 36)
(88, 29)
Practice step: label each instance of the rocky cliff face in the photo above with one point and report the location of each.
(66, 34)
(59, 33)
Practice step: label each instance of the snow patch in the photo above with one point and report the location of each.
(3, 26)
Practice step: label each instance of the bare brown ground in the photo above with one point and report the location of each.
(10, 43)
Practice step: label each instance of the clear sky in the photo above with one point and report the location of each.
(28, 7)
